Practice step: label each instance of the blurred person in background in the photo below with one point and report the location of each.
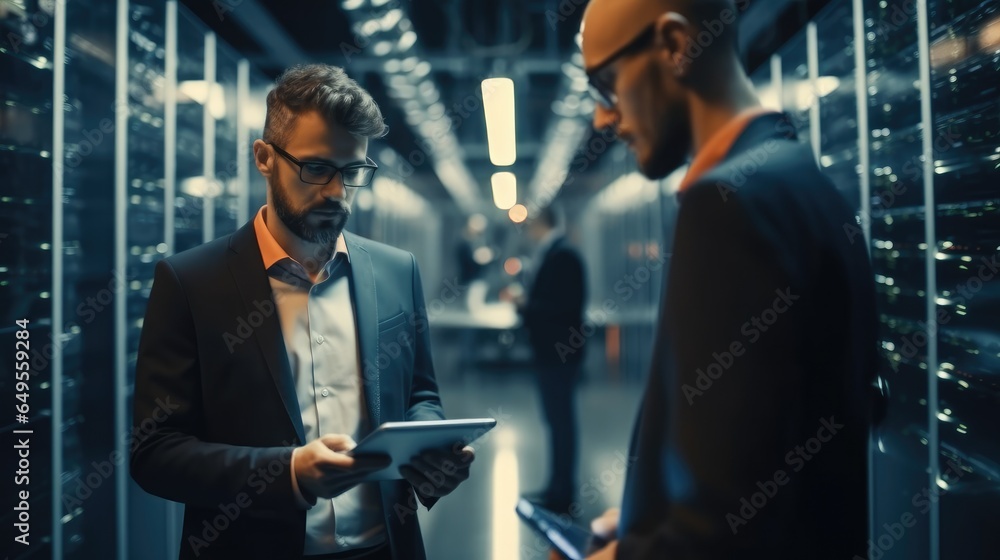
(266, 353)
(766, 342)
(553, 315)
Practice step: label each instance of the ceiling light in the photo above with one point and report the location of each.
(504, 189)
(498, 104)
(518, 213)
(407, 41)
(382, 48)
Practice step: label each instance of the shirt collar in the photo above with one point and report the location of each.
(715, 150)
(273, 253)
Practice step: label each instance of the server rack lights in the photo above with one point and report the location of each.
(26, 272)
(964, 99)
(915, 148)
(88, 204)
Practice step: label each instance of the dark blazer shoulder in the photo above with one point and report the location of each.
(382, 255)
(203, 255)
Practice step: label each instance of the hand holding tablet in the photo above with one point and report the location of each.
(423, 448)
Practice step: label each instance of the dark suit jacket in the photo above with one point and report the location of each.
(766, 347)
(553, 313)
(212, 360)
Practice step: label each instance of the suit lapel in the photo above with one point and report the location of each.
(366, 316)
(247, 268)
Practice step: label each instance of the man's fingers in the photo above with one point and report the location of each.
(447, 460)
(371, 462)
(606, 524)
(334, 463)
(338, 442)
(413, 476)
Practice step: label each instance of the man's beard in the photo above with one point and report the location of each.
(671, 143)
(297, 222)
(669, 150)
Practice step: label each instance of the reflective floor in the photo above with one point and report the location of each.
(478, 519)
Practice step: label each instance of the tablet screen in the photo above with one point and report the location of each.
(565, 536)
(402, 441)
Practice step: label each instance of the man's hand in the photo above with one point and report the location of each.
(324, 471)
(434, 474)
(606, 553)
(606, 525)
(603, 527)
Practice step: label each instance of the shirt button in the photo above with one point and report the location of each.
(319, 339)
(325, 392)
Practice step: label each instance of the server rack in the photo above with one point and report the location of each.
(907, 103)
(119, 161)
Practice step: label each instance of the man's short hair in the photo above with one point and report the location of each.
(323, 88)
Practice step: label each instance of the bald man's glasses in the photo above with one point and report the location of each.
(601, 79)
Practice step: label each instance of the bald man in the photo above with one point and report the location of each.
(752, 437)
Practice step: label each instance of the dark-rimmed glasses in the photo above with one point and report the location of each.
(601, 79)
(321, 173)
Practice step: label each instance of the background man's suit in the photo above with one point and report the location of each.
(237, 416)
(552, 313)
(763, 230)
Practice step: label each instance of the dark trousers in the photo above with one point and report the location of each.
(557, 387)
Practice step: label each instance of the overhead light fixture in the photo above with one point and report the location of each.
(396, 43)
(391, 18)
(392, 66)
(407, 41)
(518, 213)
(498, 104)
(382, 48)
(410, 63)
(421, 69)
(504, 189)
(211, 95)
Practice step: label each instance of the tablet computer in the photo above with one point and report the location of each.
(571, 540)
(403, 440)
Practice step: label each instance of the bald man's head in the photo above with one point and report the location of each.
(610, 25)
(656, 64)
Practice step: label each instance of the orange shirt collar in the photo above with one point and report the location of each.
(719, 144)
(271, 251)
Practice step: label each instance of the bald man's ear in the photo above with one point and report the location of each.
(263, 157)
(674, 36)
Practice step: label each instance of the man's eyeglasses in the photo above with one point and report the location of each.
(320, 173)
(601, 80)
